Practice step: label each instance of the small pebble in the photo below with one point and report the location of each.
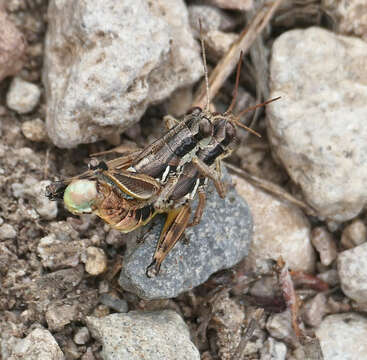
(114, 303)
(7, 231)
(280, 327)
(34, 130)
(324, 243)
(218, 43)
(211, 18)
(22, 96)
(354, 234)
(82, 336)
(314, 310)
(330, 276)
(88, 355)
(96, 261)
(273, 350)
(101, 311)
(352, 269)
(103, 287)
(12, 47)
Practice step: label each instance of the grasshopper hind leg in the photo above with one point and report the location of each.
(174, 227)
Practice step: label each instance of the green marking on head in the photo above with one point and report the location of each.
(80, 195)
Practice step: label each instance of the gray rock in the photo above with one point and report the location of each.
(352, 269)
(106, 61)
(38, 345)
(343, 337)
(114, 302)
(143, 335)
(317, 130)
(22, 96)
(220, 241)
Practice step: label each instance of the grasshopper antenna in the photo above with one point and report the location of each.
(205, 67)
(251, 108)
(235, 91)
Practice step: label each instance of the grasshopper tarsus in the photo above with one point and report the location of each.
(153, 269)
(55, 191)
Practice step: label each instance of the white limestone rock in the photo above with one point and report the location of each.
(318, 129)
(106, 61)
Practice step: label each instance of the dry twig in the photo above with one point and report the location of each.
(225, 67)
(271, 188)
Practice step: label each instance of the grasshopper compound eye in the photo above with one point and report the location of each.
(80, 195)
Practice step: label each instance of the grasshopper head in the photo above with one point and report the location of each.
(80, 196)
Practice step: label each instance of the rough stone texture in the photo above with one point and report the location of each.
(218, 43)
(38, 345)
(227, 320)
(279, 230)
(280, 326)
(314, 310)
(325, 244)
(143, 335)
(107, 61)
(273, 350)
(343, 337)
(12, 47)
(114, 302)
(34, 191)
(211, 18)
(57, 252)
(22, 96)
(330, 276)
(351, 16)
(34, 130)
(354, 234)
(221, 240)
(318, 129)
(7, 231)
(82, 336)
(352, 269)
(96, 262)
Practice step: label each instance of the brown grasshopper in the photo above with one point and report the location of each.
(127, 200)
(127, 192)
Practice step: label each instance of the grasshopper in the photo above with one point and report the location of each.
(127, 192)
